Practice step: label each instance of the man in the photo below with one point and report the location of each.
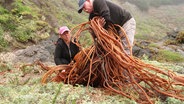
(65, 49)
(111, 13)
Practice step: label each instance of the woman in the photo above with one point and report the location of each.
(65, 50)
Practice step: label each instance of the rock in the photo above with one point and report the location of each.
(139, 52)
(41, 52)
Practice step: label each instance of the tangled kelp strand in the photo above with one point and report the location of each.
(106, 64)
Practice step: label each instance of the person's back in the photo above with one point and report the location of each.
(111, 14)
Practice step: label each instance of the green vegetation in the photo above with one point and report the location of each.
(3, 42)
(22, 86)
(35, 19)
(7, 20)
(168, 56)
(173, 101)
(86, 40)
(20, 9)
(32, 20)
(153, 45)
(170, 42)
(180, 37)
(22, 23)
(5, 67)
(149, 27)
(144, 5)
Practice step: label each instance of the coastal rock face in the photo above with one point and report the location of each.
(172, 42)
(43, 52)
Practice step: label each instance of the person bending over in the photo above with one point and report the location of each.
(111, 14)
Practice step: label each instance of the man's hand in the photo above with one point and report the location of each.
(102, 22)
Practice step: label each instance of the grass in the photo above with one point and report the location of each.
(27, 22)
(53, 93)
(169, 56)
(149, 28)
(24, 87)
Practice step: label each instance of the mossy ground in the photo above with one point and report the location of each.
(22, 85)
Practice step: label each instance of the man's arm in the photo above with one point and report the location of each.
(101, 8)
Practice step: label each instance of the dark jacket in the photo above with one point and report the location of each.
(64, 54)
(111, 12)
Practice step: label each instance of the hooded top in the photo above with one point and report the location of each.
(64, 54)
(111, 12)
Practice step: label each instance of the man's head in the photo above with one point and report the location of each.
(81, 4)
(86, 5)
